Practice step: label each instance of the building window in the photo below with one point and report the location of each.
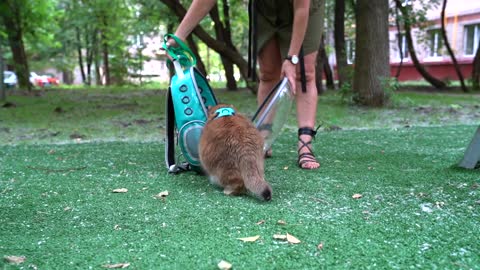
(472, 36)
(350, 46)
(435, 43)
(402, 41)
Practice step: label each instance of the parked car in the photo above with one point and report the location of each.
(10, 79)
(52, 80)
(37, 80)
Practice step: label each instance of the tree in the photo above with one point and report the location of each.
(408, 18)
(223, 33)
(3, 95)
(220, 47)
(372, 69)
(339, 37)
(449, 49)
(476, 69)
(11, 12)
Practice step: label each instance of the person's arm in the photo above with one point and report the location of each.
(195, 13)
(301, 9)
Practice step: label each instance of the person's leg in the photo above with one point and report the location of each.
(270, 63)
(307, 111)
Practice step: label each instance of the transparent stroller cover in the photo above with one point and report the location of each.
(273, 112)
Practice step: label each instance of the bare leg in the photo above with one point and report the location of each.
(270, 62)
(307, 105)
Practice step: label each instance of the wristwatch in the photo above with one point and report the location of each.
(292, 58)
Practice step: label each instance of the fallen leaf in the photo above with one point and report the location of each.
(52, 151)
(250, 239)
(260, 222)
(280, 236)
(224, 265)
(117, 265)
(116, 227)
(320, 246)
(120, 190)
(357, 196)
(281, 222)
(68, 208)
(285, 168)
(292, 239)
(162, 194)
(15, 259)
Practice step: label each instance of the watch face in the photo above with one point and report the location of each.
(294, 59)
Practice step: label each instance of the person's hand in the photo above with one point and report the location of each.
(289, 70)
(170, 43)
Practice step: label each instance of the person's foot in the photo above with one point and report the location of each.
(265, 131)
(306, 158)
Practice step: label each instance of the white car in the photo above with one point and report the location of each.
(37, 80)
(9, 79)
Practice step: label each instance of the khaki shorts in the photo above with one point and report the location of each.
(275, 19)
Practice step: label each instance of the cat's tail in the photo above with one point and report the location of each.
(256, 184)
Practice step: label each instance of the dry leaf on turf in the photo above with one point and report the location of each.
(224, 265)
(15, 259)
(292, 239)
(320, 246)
(357, 196)
(250, 239)
(280, 236)
(260, 222)
(120, 190)
(281, 222)
(162, 194)
(116, 265)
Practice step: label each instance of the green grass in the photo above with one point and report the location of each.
(418, 210)
(113, 114)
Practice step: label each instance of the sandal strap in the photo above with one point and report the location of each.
(308, 131)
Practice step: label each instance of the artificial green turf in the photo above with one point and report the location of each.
(417, 211)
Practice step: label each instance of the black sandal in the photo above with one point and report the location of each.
(307, 156)
(268, 128)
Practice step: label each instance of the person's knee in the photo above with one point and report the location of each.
(269, 75)
(309, 74)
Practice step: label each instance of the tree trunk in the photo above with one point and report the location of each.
(319, 71)
(476, 69)
(106, 64)
(223, 34)
(399, 43)
(339, 37)
(449, 49)
(193, 46)
(96, 57)
(372, 53)
(408, 35)
(3, 94)
(13, 26)
(218, 46)
(80, 57)
(319, 65)
(88, 56)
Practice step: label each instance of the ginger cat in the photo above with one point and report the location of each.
(231, 153)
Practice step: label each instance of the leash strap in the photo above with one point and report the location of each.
(303, 77)
(170, 132)
(172, 166)
(180, 53)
